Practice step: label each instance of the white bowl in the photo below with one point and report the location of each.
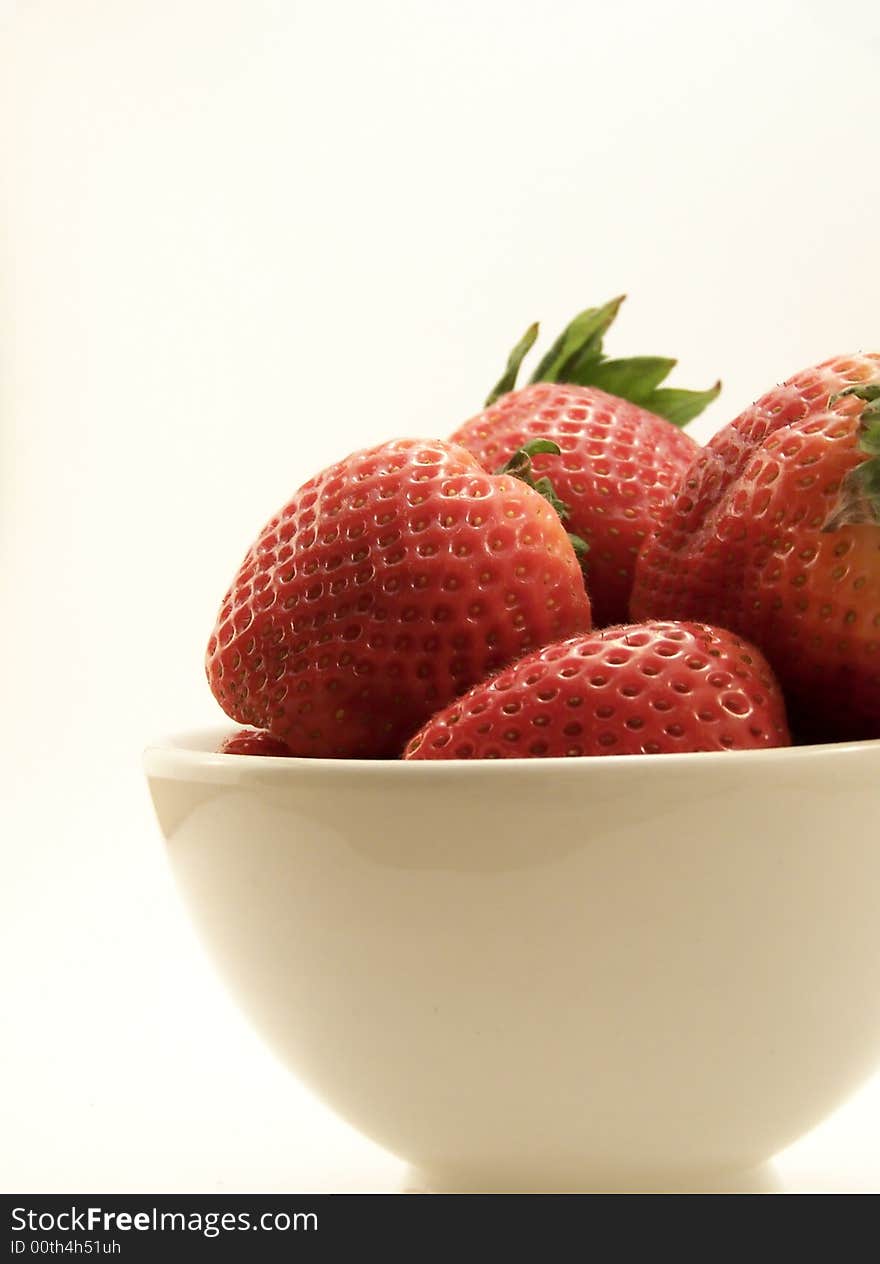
(646, 972)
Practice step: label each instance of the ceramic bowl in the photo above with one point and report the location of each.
(647, 972)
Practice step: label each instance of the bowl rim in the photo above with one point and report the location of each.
(192, 753)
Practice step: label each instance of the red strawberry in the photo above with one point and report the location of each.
(644, 689)
(776, 534)
(253, 742)
(621, 462)
(389, 584)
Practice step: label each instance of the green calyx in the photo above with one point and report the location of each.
(860, 493)
(577, 356)
(507, 381)
(520, 466)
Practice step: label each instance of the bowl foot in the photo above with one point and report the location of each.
(757, 1180)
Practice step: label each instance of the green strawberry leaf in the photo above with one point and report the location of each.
(581, 548)
(507, 381)
(869, 437)
(868, 473)
(860, 492)
(680, 407)
(633, 379)
(577, 357)
(545, 488)
(869, 391)
(579, 344)
(520, 466)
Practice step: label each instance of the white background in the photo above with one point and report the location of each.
(239, 239)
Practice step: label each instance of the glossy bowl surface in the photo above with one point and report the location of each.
(624, 972)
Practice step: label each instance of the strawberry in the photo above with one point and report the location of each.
(253, 742)
(775, 533)
(623, 454)
(642, 689)
(389, 584)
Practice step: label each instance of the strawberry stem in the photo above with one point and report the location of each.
(520, 466)
(577, 356)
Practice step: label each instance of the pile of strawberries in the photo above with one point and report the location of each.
(570, 573)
